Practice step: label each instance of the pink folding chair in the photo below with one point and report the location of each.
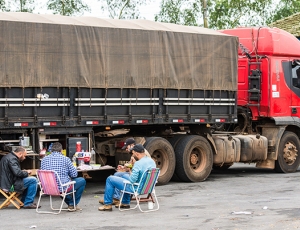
(49, 186)
(146, 186)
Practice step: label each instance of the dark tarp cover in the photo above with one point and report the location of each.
(58, 51)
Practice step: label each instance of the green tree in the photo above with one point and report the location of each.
(123, 9)
(24, 5)
(2, 5)
(232, 13)
(284, 8)
(67, 7)
(184, 12)
(224, 14)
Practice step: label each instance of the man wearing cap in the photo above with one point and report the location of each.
(114, 182)
(128, 144)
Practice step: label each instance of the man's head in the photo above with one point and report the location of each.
(129, 143)
(138, 151)
(21, 153)
(56, 147)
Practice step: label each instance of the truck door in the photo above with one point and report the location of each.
(292, 77)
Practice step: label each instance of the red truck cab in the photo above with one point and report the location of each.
(268, 72)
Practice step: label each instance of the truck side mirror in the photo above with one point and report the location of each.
(295, 62)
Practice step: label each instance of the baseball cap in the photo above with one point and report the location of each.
(128, 141)
(138, 148)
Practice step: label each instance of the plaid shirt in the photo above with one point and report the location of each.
(60, 164)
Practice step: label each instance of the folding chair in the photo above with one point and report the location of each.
(146, 186)
(11, 198)
(48, 186)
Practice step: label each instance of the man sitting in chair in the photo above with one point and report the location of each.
(124, 171)
(114, 182)
(57, 162)
(12, 178)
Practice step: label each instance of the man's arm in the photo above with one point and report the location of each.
(135, 173)
(71, 169)
(16, 170)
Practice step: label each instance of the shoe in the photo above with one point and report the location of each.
(126, 206)
(106, 207)
(31, 206)
(71, 208)
(115, 201)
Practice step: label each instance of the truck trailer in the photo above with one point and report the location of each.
(196, 98)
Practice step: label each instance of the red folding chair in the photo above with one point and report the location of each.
(49, 186)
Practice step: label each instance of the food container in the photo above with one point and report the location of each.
(24, 141)
(95, 166)
(79, 161)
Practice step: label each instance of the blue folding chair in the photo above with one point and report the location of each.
(146, 186)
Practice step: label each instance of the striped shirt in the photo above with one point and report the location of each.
(60, 164)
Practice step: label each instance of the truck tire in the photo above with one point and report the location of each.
(194, 159)
(288, 158)
(163, 154)
(174, 141)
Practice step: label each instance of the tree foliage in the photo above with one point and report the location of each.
(67, 7)
(283, 9)
(232, 13)
(185, 12)
(23, 5)
(224, 14)
(2, 5)
(123, 9)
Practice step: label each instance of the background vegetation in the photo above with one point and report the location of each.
(215, 14)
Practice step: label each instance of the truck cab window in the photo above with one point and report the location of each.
(296, 76)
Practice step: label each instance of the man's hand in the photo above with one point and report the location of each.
(132, 160)
(28, 171)
(121, 168)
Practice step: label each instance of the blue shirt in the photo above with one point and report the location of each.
(60, 164)
(140, 167)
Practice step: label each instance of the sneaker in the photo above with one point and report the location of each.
(126, 206)
(115, 201)
(106, 207)
(71, 208)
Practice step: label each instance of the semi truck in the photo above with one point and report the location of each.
(197, 99)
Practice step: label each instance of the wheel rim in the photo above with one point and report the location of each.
(159, 158)
(290, 153)
(197, 160)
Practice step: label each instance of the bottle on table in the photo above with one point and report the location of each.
(74, 160)
(78, 146)
(93, 156)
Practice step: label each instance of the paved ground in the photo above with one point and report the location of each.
(241, 198)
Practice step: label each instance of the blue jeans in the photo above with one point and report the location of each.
(79, 187)
(117, 193)
(112, 183)
(28, 195)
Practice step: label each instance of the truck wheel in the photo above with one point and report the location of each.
(194, 159)
(288, 158)
(174, 141)
(163, 154)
